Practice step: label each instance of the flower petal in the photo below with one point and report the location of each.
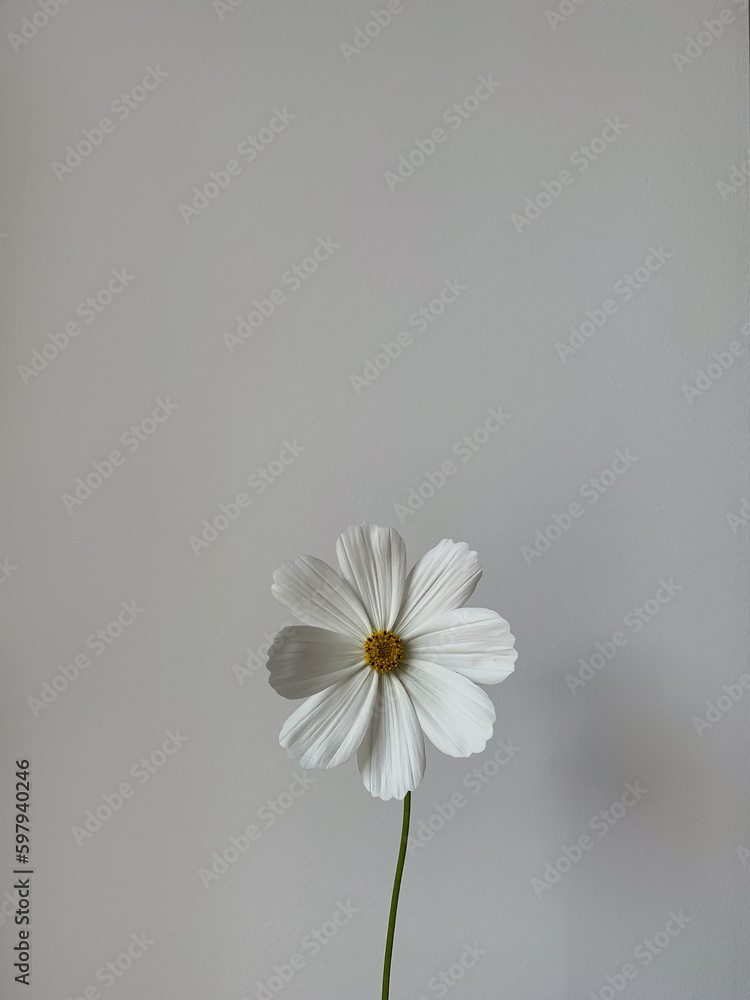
(391, 757)
(442, 580)
(474, 642)
(326, 730)
(304, 660)
(317, 595)
(373, 562)
(454, 713)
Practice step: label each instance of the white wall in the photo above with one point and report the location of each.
(656, 185)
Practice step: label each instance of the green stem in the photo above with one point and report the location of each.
(394, 898)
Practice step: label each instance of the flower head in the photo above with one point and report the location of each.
(385, 658)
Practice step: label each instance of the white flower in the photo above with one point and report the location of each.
(384, 658)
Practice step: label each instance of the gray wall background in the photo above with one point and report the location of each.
(672, 180)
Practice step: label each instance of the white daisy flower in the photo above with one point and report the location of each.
(385, 658)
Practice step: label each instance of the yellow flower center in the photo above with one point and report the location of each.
(383, 651)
